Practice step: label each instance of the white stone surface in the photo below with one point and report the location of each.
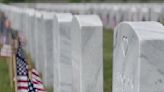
(155, 14)
(138, 57)
(63, 59)
(32, 37)
(30, 24)
(41, 43)
(87, 48)
(38, 34)
(25, 28)
(49, 19)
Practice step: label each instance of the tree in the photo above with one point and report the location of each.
(75, 1)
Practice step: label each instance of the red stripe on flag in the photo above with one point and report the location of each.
(37, 82)
(21, 87)
(35, 73)
(23, 81)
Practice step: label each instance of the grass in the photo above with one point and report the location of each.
(108, 48)
(4, 77)
(108, 44)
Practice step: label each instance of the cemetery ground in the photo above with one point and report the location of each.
(108, 41)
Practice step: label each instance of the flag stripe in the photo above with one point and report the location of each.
(22, 87)
(38, 84)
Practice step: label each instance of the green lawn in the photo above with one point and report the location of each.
(108, 40)
(108, 48)
(4, 77)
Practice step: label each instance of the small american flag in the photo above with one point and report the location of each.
(24, 83)
(38, 84)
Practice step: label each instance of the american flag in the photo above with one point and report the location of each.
(24, 84)
(37, 81)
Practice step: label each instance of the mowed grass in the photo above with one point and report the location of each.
(107, 48)
(4, 77)
(108, 54)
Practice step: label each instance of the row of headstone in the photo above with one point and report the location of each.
(66, 49)
(110, 14)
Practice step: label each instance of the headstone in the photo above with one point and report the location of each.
(6, 51)
(138, 57)
(18, 21)
(25, 28)
(32, 37)
(155, 14)
(63, 59)
(134, 14)
(144, 14)
(41, 43)
(114, 17)
(30, 25)
(38, 41)
(49, 20)
(87, 48)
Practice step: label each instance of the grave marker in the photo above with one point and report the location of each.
(49, 19)
(63, 61)
(87, 44)
(138, 57)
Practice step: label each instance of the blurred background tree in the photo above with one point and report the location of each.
(75, 1)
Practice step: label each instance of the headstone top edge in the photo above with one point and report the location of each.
(146, 24)
(29, 11)
(64, 17)
(150, 31)
(88, 20)
(48, 15)
(38, 14)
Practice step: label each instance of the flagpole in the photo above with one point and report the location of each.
(30, 66)
(15, 74)
(10, 66)
(14, 48)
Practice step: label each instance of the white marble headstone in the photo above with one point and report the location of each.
(87, 48)
(30, 24)
(155, 14)
(25, 28)
(32, 35)
(138, 57)
(63, 61)
(114, 17)
(39, 41)
(49, 19)
(144, 14)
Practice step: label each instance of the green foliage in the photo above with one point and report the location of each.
(74, 1)
(79, 1)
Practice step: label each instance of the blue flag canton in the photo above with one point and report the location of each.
(20, 53)
(22, 68)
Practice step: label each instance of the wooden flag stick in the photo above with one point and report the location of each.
(14, 49)
(29, 66)
(15, 72)
(9, 60)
